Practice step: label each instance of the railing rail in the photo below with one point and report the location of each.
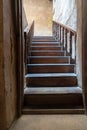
(67, 38)
(28, 35)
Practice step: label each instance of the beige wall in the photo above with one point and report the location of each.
(65, 12)
(42, 12)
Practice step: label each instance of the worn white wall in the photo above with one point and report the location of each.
(65, 12)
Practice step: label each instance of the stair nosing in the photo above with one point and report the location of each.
(47, 51)
(51, 65)
(48, 56)
(46, 46)
(43, 75)
(53, 90)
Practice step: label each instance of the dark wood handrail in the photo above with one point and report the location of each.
(28, 35)
(67, 38)
(66, 27)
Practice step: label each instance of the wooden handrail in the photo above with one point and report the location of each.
(28, 35)
(67, 38)
(66, 27)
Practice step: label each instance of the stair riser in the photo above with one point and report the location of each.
(47, 48)
(43, 40)
(44, 44)
(60, 100)
(48, 60)
(51, 81)
(47, 53)
(50, 69)
(43, 37)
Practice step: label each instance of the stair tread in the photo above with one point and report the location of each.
(55, 42)
(50, 64)
(48, 56)
(47, 51)
(53, 90)
(73, 110)
(45, 46)
(51, 75)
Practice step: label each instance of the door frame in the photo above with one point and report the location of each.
(20, 56)
(81, 44)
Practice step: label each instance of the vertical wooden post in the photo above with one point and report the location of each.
(60, 34)
(63, 38)
(70, 47)
(66, 40)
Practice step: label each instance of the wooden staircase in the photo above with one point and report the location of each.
(51, 81)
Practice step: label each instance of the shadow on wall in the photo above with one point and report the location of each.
(42, 13)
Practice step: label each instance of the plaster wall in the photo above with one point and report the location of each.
(65, 12)
(41, 12)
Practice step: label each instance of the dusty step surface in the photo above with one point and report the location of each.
(47, 53)
(53, 97)
(50, 68)
(46, 48)
(51, 79)
(48, 59)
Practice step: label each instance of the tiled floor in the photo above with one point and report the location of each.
(41, 11)
(51, 122)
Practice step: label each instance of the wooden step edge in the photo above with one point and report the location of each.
(53, 90)
(44, 75)
(47, 51)
(45, 46)
(35, 65)
(48, 56)
(52, 42)
(53, 111)
(51, 37)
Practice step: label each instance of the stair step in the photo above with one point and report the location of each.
(46, 48)
(43, 38)
(45, 44)
(73, 110)
(48, 59)
(51, 79)
(47, 53)
(53, 97)
(53, 90)
(50, 68)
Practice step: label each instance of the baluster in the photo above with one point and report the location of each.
(63, 38)
(75, 47)
(68, 43)
(70, 47)
(60, 34)
(66, 40)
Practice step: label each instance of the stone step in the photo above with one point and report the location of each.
(48, 59)
(51, 80)
(66, 97)
(47, 53)
(50, 68)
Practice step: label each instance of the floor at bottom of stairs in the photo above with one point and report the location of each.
(51, 122)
